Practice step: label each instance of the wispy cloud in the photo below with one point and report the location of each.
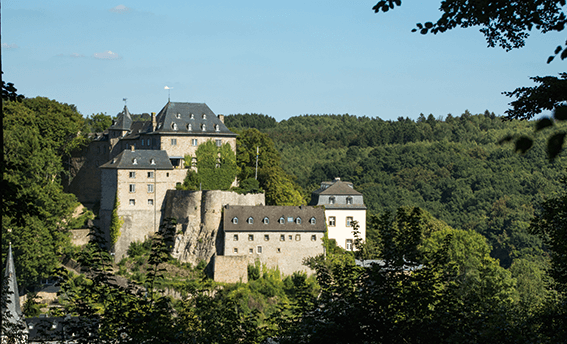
(120, 9)
(9, 46)
(107, 55)
(77, 55)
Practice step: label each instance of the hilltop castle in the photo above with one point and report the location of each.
(136, 165)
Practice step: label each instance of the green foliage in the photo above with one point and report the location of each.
(279, 186)
(32, 308)
(97, 123)
(250, 120)
(249, 185)
(216, 168)
(115, 222)
(38, 134)
(137, 249)
(551, 225)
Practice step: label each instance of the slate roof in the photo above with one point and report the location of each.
(13, 296)
(141, 160)
(137, 128)
(337, 187)
(177, 118)
(123, 121)
(273, 214)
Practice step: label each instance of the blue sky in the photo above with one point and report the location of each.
(283, 59)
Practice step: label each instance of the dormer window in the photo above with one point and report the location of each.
(312, 220)
(217, 127)
(281, 221)
(266, 220)
(250, 220)
(203, 127)
(178, 116)
(298, 220)
(159, 126)
(192, 116)
(349, 200)
(331, 200)
(174, 126)
(204, 116)
(189, 127)
(134, 161)
(113, 161)
(235, 220)
(152, 161)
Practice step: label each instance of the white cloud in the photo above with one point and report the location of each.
(77, 55)
(120, 9)
(107, 55)
(9, 46)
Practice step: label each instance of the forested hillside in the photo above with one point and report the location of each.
(454, 168)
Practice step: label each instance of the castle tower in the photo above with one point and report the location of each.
(16, 327)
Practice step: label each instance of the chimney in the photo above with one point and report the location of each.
(221, 118)
(153, 121)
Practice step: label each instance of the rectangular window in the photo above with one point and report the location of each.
(194, 142)
(218, 142)
(279, 250)
(290, 237)
(150, 201)
(348, 245)
(235, 237)
(150, 174)
(349, 221)
(132, 187)
(235, 250)
(150, 187)
(290, 219)
(297, 237)
(282, 237)
(250, 237)
(132, 174)
(266, 237)
(259, 249)
(332, 221)
(250, 250)
(174, 142)
(132, 202)
(313, 238)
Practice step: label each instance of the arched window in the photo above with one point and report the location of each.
(217, 127)
(204, 116)
(266, 220)
(281, 220)
(174, 126)
(349, 200)
(178, 116)
(203, 127)
(189, 127)
(298, 220)
(250, 220)
(192, 116)
(312, 220)
(235, 220)
(331, 200)
(152, 161)
(134, 161)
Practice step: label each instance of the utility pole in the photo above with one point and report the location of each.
(257, 153)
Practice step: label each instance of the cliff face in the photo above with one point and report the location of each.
(199, 215)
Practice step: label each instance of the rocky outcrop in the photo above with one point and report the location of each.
(199, 221)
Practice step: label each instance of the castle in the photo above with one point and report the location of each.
(135, 166)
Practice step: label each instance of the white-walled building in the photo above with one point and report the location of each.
(343, 205)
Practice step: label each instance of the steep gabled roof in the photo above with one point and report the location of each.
(190, 118)
(140, 160)
(123, 121)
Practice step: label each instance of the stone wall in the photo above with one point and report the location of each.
(198, 215)
(80, 237)
(230, 269)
